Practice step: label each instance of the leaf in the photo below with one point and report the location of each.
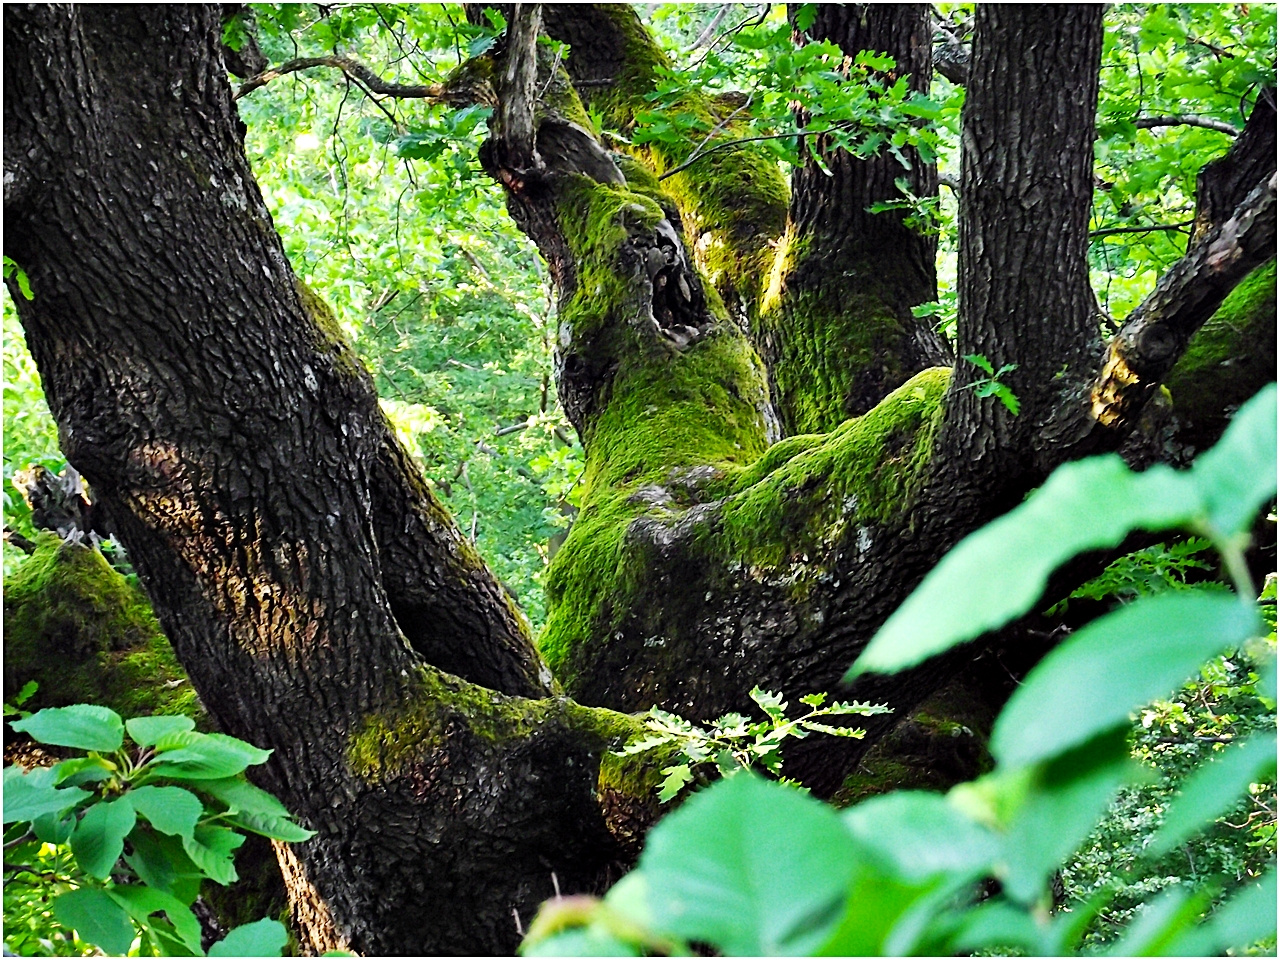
(29, 796)
(80, 770)
(161, 863)
(998, 572)
(752, 867)
(265, 938)
(997, 925)
(1006, 396)
(1114, 665)
(1249, 916)
(212, 756)
(978, 360)
(96, 918)
(28, 690)
(1238, 475)
(81, 725)
(147, 731)
(677, 776)
(55, 829)
(1159, 923)
(1214, 788)
(277, 828)
(211, 849)
(917, 834)
(170, 810)
(140, 902)
(98, 840)
(240, 795)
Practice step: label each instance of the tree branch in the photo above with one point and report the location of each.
(1156, 333)
(356, 71)
(1187, 120)
(1155, 228)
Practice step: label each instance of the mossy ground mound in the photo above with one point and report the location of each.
(85, 634)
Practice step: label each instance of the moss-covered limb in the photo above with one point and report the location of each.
(85, 634)
(835, 325)
(685, 587)
(733, 203)
(1228, 360)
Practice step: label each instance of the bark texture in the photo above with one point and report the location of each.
(836, 330)
(242, 459)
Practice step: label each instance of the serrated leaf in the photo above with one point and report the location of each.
(29, 796)
(161, 863)
(277, 828)
(981, 362)
(141, 901)
(96, 918)
(211, 850)
(814, 700)
(240, 795)
(98, 840)
(148, 731)
(213, 756)
(1114, 665)
(677, 776)
(264, 938)
(1238, 475)
(81, 725)
(855, 733)
(170, 810)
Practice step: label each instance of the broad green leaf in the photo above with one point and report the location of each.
(176, 739)
(81, 725)
(1249, 915)
(1160, 923)
(241, 796)
(994, 925)
(96, 918)
(161, 862)
(918, 834)
(98, 840)
(588, 941)
(54, 828)
(170, 810)
(1238, 475)
(140, 902)
(749, 866)
(211, 850)
(998, 572)
(268, 825)
(265, 938)
(883, 914)
(81, 770)
(1215, 788)
(213, 756)
(1114, 665)
(29, 796)
(1065, 801)
(147, 731)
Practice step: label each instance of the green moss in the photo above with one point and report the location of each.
(1229, 359)
(86, 635)
(334, 340)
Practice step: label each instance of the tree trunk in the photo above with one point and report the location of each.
(244, 463)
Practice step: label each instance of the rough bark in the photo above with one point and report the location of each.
(236, 452)
(836, 330)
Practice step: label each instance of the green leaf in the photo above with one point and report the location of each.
(29, 796)
(28, 690)
(1159, 923)
(1215, 788)
(170, 810)
(997, 924)
(81, 725)
(240, 795)
(161, 863)
(978, 360)
(749, 866)
(147, 731)
(1238, 475)
(98, 840)
(268, 825)
(1114, 665)
(53, 828)
(81, 770)
(140, 902)
(211, 849)
(212, 756)
(96, 918)
(998, 572)
(677, 776)
(265, 938)
(1250, 915)
(917, 834)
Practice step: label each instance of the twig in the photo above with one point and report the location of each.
(514, 428)
(354, 70)
(13, 843)
(1187, 120)
(1112, 231)
(705, 36)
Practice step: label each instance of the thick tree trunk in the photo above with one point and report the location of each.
(243, 461)
(836, 329)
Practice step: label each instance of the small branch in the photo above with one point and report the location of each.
(356, 71)
(514, 428)
(13, 538)
(729, 144)
(512, 123)
(1187, 120)
(1112, 231)
(705, 36)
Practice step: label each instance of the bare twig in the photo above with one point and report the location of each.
(1187, 120)
(705, 36)
(1155, 228)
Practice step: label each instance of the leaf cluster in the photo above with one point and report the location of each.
(129, 832)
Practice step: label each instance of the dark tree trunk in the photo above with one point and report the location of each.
(837, 331)
(243, 461)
